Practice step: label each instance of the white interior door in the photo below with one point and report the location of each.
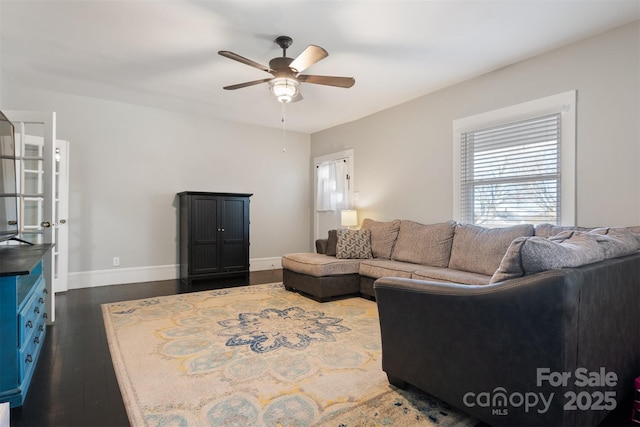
(30, 170)
(61, 250)
(35, 170)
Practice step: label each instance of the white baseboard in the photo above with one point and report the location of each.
(117, 276)
(120, 276)
(261, 264)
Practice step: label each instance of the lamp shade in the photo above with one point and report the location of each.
(349, 218)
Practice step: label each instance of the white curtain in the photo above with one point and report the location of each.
(332, 193)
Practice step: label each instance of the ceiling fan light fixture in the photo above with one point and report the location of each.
(284, 88)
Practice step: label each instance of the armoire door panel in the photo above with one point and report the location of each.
(234, 256)
(204, 259)
(205, 221)
(234, 220)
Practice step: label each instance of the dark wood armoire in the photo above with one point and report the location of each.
(214, 235)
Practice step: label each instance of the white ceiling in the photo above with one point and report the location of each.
(164, 53)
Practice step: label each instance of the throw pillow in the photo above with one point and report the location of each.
(635, 230)
(529, 255)
(383, 236)
(354, 244)
(564, 250)
(616, 242)
(511, 264)
(549, 230)
(424, 244)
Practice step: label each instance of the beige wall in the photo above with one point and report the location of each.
(128, 162)
(403, 155)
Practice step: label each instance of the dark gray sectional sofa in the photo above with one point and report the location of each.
(490, 320)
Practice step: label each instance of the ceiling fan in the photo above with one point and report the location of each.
(285, 83)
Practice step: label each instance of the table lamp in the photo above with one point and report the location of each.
(349, 218)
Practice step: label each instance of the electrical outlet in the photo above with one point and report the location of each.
(116, 261)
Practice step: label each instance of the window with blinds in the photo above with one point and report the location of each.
(510, 173)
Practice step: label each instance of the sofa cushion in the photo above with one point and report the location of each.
(383, 236)
(377, 268)
(424, 244)
(437, 274)
(535, 254)
(354, 244)
(319, 265)
(480, 250)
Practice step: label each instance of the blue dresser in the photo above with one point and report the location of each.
(23, 317)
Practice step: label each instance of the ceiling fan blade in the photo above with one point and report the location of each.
(244, 60)
(345, 82)
(246, 84)
(308, 57)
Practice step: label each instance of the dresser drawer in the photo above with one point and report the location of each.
(33, 313)
(29, 352)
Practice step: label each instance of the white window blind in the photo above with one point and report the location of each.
(510, 173)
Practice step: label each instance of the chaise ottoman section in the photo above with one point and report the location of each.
(320, 276)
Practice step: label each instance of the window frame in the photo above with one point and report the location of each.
(345, 154)
(563, 103)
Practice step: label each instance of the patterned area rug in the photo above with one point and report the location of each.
(259, 356)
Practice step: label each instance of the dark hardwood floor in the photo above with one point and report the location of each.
(74, 383)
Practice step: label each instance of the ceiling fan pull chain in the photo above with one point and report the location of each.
(284, 129)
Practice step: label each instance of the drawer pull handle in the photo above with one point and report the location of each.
(45, 290)
(29, 324)
(36, 310)
(41, 300)
(28, 359)
(41, 328)
(46, 316)
(36, 340)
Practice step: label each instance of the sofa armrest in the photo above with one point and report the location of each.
(321, 246)
(451, 339)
